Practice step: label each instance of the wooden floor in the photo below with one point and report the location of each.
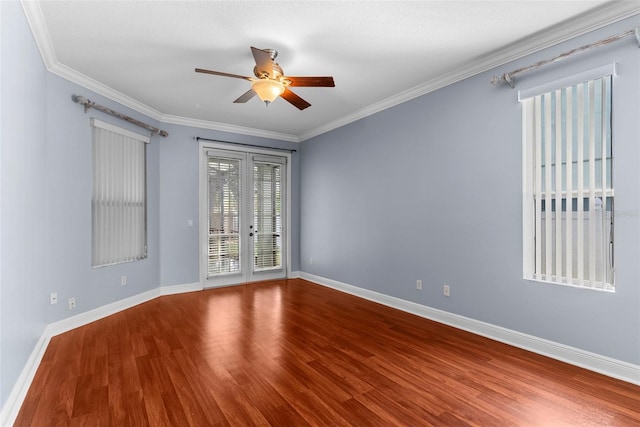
(291, 353)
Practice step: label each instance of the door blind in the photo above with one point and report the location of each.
(267, 202)
(225, 204)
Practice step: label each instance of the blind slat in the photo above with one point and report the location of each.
(568, 268)
(559, 182)
(592, 184)
(548, 271)
(580, 198)
(603, 155)
(538, 185)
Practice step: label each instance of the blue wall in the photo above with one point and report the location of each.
(432, 190)
(24, 233)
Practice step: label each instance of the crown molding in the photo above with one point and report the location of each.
(598, 18)
(40, 31)
(224, 127)
(591, 21)
(70, 74)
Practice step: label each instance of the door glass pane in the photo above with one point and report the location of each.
(225, 202)
(267, 213)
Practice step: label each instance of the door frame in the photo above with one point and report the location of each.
(202, 202)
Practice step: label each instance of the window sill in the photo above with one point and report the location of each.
(608, 288)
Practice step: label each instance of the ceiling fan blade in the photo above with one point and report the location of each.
(245, 97)
(294, 99)
(264, 63)
(311, 81)
(218, 73)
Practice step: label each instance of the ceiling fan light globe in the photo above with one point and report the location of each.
(267, 90)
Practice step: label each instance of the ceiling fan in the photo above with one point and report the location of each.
(270, 81)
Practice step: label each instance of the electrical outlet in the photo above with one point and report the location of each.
(53, 298)
(123, 280)
(72, 303)
(419, 285)
(310, 260)
(446, 291)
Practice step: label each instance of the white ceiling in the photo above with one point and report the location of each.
(380, 53)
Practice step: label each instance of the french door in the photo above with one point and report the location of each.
(244, 208)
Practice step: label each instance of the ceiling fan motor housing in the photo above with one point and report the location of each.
(275, 74)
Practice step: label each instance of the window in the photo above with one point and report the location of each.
(568, 186)
(118, 203)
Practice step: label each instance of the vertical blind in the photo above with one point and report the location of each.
(224, 193)
(267, 211)
(570, 156)
(118, 202)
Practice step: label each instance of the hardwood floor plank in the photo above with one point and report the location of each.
(385, 406)
(315, 410)
(343, 377)
(56, 396)
(292, 353)
(202, 382)
(354, 410)
(184, 395)
(310, 377)
(174, 409)
(135, 411)
(152, 393)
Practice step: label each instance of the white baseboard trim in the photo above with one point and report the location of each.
(293, 275)
(19, 392)
(594, 362)
(180, 289)
(87, 317)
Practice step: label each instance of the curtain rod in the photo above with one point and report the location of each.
(90, 104)
(246, 145)
(508, 77)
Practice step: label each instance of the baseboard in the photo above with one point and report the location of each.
(19, 391)
(180, 289)
(82, 319)
(594, 362)
(293, 275)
